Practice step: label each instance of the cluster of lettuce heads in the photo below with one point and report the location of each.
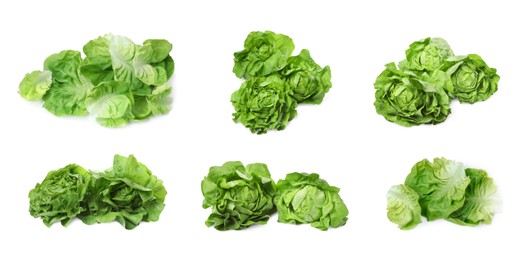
(421, 88)
(275, 82)
(117, 81)
(127, 193)
(242, 196)
(443, 189)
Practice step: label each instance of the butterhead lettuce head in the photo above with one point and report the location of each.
(305, 198)
(239, 196)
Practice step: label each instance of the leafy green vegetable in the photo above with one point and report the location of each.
(263, 103)
(408, 98)
(443, 189)
(441, 186)
(473, 80)
(119, 80)
(428, 54)
(305, 198)
(403, 207)
(480, 200)
(69, 89)
(307, 80)
(35, 85)
(275, 82)
(264, 53)
(239, 196)
(60, 195)
(127, 193)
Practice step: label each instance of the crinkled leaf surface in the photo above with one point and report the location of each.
(403, 207)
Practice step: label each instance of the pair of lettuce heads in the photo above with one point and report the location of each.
(421, 88)
(275, 82)
(127, 193)
(443, 189)
(117, 82)
(241, 196)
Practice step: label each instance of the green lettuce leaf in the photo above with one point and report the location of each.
(127, 193)
(441, 186)
(239, 196)
(403, 207)
(305, 198)
(480, 200)
(408, 98)
(426, 55)
(473, 80)
(97, 66)
(264, 53)
(111, 102)
(307, 80)
(35, 85)
(263, 103)
(60, 196)
(69, 88)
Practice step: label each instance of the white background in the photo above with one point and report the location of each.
(343, 139)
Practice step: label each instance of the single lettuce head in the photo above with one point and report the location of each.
(427, 55)
(305, 198)
(408, 98)
(60, 196)
(306, 79)
(403, 207)
(127, 193)
(441, 186)
(264, 53)
(239, 196)
(473, 80)
(263, 103)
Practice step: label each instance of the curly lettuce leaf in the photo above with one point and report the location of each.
(69, 88)
(127, 193)
(60, 196)
(239, 196)
(263, 103)
(35, 85)
(403, 207)
(264, 53)
(305, 198)
(306, 79)
(441, 186)
(111, 102)
(408, 98)
(481, 201)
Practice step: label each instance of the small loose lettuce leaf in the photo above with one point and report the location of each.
(60, 196)
(264, 53)
(480, 200)
(409, 98)
(35, 85)
(263, 103)
(69, 88)
(239, 196)
(307, 80)
(473, 80)
(403, 207)
(97, 66)
(305, 198)
(426, 55)
(127, 193)
(441, 186)
(111, 102)
(156, 104)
